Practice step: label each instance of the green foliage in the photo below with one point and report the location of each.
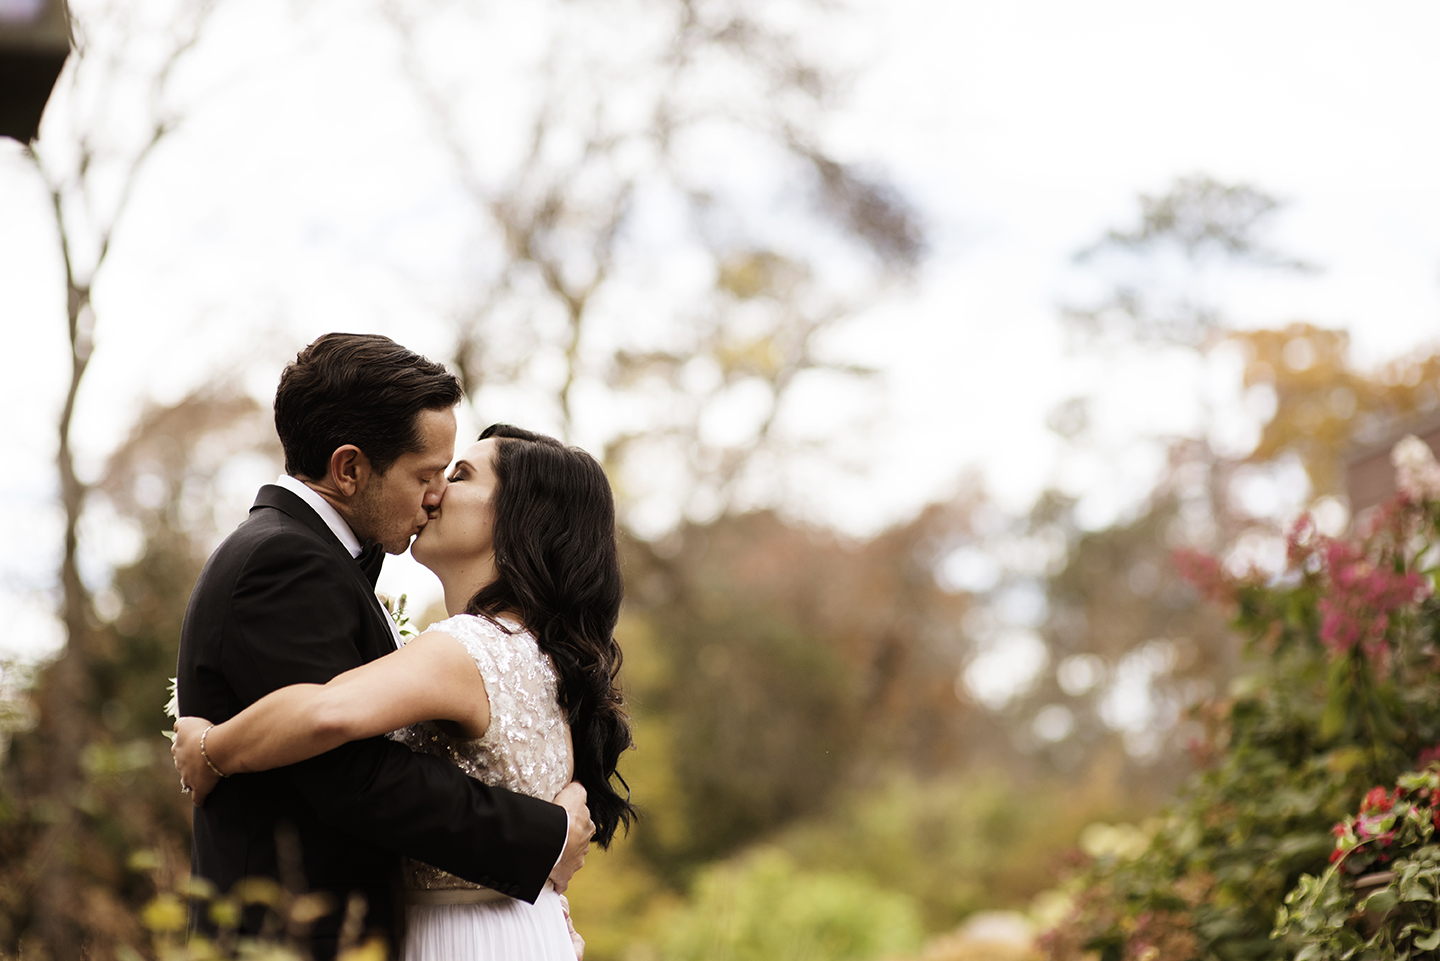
(764, 907)
(764, 660)
(956, 844)
(1390, 914)
(1343, 695)
(1330, 919)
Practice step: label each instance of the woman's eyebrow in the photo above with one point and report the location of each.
(463, 463)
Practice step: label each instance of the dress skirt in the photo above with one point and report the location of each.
(490, 931)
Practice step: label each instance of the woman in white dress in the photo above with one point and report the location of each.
(518, 687)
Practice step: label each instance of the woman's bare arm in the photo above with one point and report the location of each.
(432, 678)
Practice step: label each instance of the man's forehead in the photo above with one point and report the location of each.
(437, 428)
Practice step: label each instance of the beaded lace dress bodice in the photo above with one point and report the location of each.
(527, 747)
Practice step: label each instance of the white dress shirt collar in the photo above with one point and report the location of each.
(325, 509)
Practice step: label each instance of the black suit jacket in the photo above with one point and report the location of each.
(280, 602)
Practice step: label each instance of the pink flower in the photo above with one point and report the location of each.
(1361, 599)
(1204, 573)
(1377, 800)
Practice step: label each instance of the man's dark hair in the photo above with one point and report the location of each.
(361, 389)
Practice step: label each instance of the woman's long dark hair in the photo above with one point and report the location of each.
(558, 569)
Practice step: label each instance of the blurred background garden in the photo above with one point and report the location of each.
(916, 337)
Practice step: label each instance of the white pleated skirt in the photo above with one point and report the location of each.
(506, 930)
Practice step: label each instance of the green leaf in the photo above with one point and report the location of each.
(1384, 899)
(1337, 709)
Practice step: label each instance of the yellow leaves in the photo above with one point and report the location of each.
(165, 914)
(143, 860)
(1299, 355)
(199, 888)
(1125, 842)
(258, 891)
(1320, 399)
(166, 917)
(225, 913)
(756, 273)
(760, 356)
(372, 950)
(309, 908)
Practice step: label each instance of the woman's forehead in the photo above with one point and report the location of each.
(479, 453)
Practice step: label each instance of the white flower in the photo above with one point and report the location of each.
(172, 706)
(1416, 473)
(398, 614)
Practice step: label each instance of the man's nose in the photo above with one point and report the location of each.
(433, 494)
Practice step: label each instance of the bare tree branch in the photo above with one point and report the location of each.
(74, 204)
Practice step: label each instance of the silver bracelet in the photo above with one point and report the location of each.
(209, 763)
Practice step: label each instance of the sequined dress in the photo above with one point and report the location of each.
(526, 749)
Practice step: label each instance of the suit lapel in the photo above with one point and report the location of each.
(288, 503)
(365, 577)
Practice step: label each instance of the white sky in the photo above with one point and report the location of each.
(297, 202)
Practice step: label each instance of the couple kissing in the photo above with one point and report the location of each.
(445, 787)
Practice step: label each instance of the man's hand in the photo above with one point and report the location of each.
(577, 844)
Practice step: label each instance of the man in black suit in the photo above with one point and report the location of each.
(368, 429)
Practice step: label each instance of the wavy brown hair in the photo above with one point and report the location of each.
(558, 569)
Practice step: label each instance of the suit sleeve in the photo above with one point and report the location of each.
(294, 619)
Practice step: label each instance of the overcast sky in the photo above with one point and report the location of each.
(297, 202)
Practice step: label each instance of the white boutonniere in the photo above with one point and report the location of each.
(398, 614)
(172, 706)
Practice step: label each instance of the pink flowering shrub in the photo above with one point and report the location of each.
(1363, 596)
(1361, 585)
(1341, 693)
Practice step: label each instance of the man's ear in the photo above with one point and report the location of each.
(349, 470)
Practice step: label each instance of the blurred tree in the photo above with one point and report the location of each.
(773, 663)
(1168, 259)
(1322, 404)
(1131, 648)
(699, 121)
(94, 145)
(1121, 625)
(127, 826)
